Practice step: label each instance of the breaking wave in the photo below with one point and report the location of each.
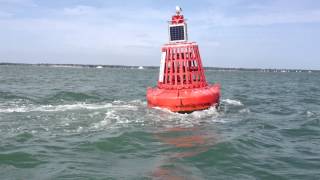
(232, 102)
(65, 107)
(83, 117)
(54, 108)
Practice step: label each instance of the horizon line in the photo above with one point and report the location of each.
(150, 66)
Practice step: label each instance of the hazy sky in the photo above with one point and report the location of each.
(230, 33)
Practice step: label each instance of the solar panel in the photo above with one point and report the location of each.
(177, 33)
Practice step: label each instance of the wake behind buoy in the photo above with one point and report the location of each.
(182, 85)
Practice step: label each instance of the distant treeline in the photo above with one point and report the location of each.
(156, 67)
(78, 65)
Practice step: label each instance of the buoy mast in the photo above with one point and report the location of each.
(178, 27)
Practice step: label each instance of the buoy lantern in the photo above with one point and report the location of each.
(182, 85)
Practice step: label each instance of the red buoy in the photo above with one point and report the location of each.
(182, 85)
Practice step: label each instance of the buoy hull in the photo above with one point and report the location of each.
(184, 100)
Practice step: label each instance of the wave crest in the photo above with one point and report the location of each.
(232, 102)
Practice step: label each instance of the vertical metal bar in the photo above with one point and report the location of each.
(166, 67)
(173, 66)
(203, 77)
(185, 70)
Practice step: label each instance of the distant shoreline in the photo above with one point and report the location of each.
(156, 67)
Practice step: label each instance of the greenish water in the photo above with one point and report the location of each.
(86, 123)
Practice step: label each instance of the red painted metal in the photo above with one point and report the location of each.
(182, 85)
(177, 19)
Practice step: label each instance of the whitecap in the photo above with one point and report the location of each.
(55, 108)
(232, 102)
(246, 110)
(172, 119)
(310, 114)
(211, 112)
(80, 129)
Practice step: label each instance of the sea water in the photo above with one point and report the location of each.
(89, 123)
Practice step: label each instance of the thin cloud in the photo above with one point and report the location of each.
(99, 29)
(118, 14)
(80, 10)
(5, 14)
(18, 3)
(219, 19)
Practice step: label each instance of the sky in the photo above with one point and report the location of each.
(230, 33)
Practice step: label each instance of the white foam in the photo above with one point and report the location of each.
(196, 114)
(117, 114)
(164, 110)
(232, 102)
(172, 119)
(211, 112)
(246, 110)
(80, 129)
(55, 108)
(115, 117)
(310, 114)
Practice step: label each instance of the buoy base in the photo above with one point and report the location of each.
(184, 100)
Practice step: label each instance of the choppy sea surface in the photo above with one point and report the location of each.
(88, 123)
